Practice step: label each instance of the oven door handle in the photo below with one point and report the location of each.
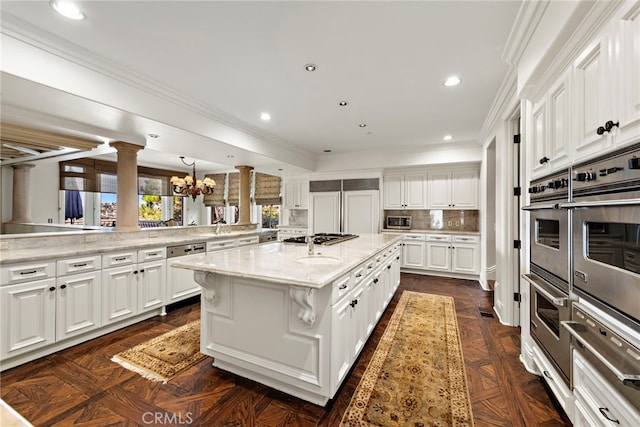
(560, 301)
(541, 207)
(599, 203)
(580, 333)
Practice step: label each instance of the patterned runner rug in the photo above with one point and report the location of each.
(165, 356)
(416, 376)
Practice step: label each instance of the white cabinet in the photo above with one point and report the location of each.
(413, 250)
(295, 194)
(453, 190)
(405, 191)
(607, 86)
(324, 212)
(453, 253)
(554, 381)
(133, 282)
(27, 314)
(551, 130)
(596, 402)
(249, 240)
(78, 296)
(285, 233)
(361, 211)
(218, 245)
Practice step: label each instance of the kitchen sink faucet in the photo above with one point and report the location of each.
(309, 240)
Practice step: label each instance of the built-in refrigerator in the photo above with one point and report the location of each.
(345, 206)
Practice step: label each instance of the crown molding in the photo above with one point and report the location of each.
(503, 103)
(524, 27)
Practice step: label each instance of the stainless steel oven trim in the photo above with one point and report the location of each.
(579, 332)
(541, 206)
(599, 203)
(545, 290)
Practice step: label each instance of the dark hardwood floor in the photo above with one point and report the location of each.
(82, 386)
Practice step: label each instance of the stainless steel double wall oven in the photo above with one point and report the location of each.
(585, 267)
(550, 268)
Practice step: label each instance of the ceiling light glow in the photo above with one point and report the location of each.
(68, 10)
(265, 116)
(447, 138)
(452, 81)
(311, 67)
(363, 125)
(343, 103)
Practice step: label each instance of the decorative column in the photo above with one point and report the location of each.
(127, 189)
(244, 204)
(21, 209)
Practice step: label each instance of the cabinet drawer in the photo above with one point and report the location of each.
(78, 265)
(466, 239)
(119, 258)
(220, 244)
(151, 254)
(29, 271)
(553, 380)
(359, 274)
(438, 237)
(253, 240)
(340, 288)
(413, 236)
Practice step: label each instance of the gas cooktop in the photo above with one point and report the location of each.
(323, 238)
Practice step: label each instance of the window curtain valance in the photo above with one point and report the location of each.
(217, 198)
(266, 189)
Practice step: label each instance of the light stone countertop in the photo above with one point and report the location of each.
(45, 252)
(277, 262)
(430, 231)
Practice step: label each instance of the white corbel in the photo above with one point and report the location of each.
(305, 298)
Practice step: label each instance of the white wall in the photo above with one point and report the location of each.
(45, 188)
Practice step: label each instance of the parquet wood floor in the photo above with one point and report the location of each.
(81, 386)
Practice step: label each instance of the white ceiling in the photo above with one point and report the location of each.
(237, 59)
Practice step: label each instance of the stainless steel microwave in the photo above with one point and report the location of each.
(399, 222)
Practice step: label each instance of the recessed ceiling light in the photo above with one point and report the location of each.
(327, 151)
(343, 103)
(265, 116)
(363, 125)
(452, 81)
(154, 135)
(447, 138)
(68, 10)
(311, 67)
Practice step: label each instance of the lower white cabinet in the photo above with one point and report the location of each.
(413, 250)
(180, 282)
(78, 304)
(596, 402)
(453, 253)
(554, 381)
(28, 314)
(288, 232)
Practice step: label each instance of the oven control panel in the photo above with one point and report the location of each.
(618, 171)
(551, 187)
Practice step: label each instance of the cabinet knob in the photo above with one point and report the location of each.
(600, 130)
(142, 270)
(353, 303)
(375, 280)
(610, 125)
(135, 271)
(544, 160)
(63, 286)
(53, 288)
(389, 266)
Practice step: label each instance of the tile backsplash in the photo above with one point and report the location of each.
(298, 217)
(438, 219)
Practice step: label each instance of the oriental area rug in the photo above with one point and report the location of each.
(165, 356)
(416, 375)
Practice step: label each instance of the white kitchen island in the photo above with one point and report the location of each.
(293, 321)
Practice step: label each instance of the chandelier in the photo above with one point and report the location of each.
(189, 185)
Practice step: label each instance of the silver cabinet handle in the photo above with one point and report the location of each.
(559, 301)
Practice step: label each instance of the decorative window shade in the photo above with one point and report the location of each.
(77, 175)
(107, 183)
(217, 198)
(233, 198)
(266, 189)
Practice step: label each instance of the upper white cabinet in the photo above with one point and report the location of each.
(607, 87)
(295, 194)
(405, 191)
(453, 190)
(551, 130)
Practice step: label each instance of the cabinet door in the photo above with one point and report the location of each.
(592, 97)
(291, 194)
(180, 282)
(464, 190)
(119, 293)
(28, 316)
(78, 305)
(361, 212)
(630, 78)
(394, 191)
(324, 212)
(415, 196)
(151, 284)
(539, 155)
(438, 256)
(465, 258)
(560, 125)
(413, 254)
(340, 341)
(359, 321)
(439, 190)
